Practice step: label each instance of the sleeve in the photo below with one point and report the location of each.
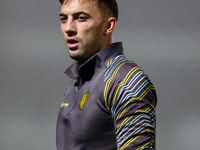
(131, 98)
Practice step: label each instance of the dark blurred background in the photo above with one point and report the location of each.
(163, 37)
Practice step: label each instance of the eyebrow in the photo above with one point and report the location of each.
(75, 14)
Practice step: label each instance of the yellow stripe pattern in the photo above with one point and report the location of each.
(131, 126)
(134, 100)
(134, 138)
(109, 81)
(123, 82)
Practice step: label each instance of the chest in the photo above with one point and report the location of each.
(83, 111)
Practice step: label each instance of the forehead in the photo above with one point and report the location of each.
(73, 6)
(92, 2)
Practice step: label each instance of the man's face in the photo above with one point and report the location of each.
(82, 26)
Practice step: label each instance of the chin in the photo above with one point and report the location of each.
(75, 57)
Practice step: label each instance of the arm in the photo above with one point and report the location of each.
(132, 106)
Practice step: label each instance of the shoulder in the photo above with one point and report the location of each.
(124, 76)
(121, 68)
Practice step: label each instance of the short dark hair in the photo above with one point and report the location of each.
(105, 6)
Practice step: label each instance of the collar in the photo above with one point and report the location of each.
(103, 57)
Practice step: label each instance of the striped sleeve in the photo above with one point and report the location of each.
(131, 98)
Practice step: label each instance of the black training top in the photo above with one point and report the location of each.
(109, 105)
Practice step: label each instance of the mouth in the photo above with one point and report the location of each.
(72, 43)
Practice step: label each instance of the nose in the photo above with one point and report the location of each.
(70, 28)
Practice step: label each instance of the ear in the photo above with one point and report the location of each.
(110, 26)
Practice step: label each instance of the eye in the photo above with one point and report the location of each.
(63, 19)
(82, 18)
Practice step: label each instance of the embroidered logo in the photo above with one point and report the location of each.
(84, 99)
(64, 104)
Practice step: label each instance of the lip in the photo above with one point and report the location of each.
(72, 43)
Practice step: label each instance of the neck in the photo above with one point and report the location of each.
(107, 40)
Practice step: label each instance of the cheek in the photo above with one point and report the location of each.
(90, 28)
(92, 33)
(62, 28)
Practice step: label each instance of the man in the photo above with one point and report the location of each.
(110, 102)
